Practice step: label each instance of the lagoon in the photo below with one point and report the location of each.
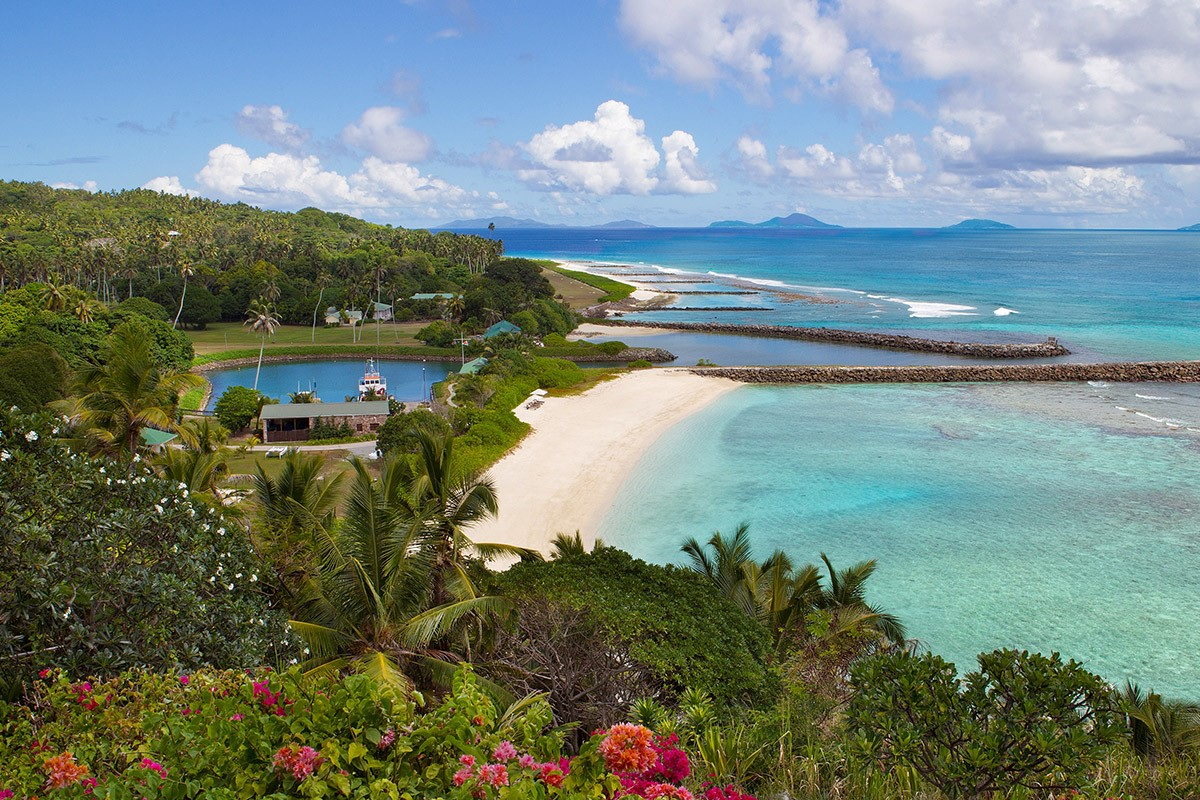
(333, 380)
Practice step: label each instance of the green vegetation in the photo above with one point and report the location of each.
(237, 407)
(301, 351)
(614, 291)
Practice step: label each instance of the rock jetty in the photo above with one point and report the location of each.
(1120, 372)
(655, 355)
(1047, 349)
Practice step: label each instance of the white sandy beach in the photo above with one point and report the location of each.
(565, 474)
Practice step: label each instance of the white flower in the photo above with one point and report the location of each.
(54, 429)
(5, 455)
(253, 578)
(212, 578)
(191, 512)
(158, 508)
(136, 458)
(65, 418)
(221, 531)
(67, 613)
(237, 574)
(102, 470)
(306, 651)
(229, 586)
(182, 485)
(108, 481)
(31, 436)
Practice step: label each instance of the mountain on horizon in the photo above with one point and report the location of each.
(1191, 228)
(482, 223)
(979, 225)
(796, 220)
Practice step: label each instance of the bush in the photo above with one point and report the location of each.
(670, 620)
(437, 334)
(1022, 720)
(401, 432)
(145, 307)
(104, 568)
(325, 429)
(31, 376)
(237, 406)
(640, 363)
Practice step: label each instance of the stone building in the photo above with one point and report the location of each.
(292, 422)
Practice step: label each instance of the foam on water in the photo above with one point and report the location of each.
(1031, 516)
(920, 309)
(1004, 312)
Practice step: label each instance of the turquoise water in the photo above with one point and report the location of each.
(333, 380)
(1049, 517)
(1106, 294)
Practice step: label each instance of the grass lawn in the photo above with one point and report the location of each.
(575, 293)
(221, 336)
(247, 463)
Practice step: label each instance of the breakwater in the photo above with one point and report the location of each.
(655, 355)
(715, 308)
(1047, 349)
(1120, 372)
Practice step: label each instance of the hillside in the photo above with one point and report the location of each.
(1192, 228)
(791, 221)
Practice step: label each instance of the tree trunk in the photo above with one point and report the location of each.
(261, 347)
(181, 297)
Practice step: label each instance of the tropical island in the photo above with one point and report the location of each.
(188, 618)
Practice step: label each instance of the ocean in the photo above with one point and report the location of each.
(1058, 517)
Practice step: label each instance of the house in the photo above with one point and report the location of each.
(155, 439)
(473, 367)
(383, 312)
(500, 328)
(433, 296)
(291, 422)
(333, 316)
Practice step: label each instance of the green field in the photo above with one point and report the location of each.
(221, 336)
(600, 288)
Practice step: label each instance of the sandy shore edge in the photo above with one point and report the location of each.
(565, 474)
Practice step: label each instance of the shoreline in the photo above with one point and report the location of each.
(565, 473)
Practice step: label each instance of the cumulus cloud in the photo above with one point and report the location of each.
(604, 155)
(752, 158)
(284, 180)
(1086, 83)
(167, 184)
(380, 131)
(681, 171)
(750, 41)
(90, 186)
(270, 124)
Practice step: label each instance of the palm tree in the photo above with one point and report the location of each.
(201, 472)
(366, 607)
(322, 284)
(455, 306)
(448, 500)
(185, 271)
(53, 295)
(297, 499)
(847, 591)
(113, 401)
(271, 291)
(130, 272)
(85, 310)
(1159, 727)
(264, 321)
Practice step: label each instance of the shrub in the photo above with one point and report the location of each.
(104, 567)
(670, 620)
(640, 363)
(325, 429)
(437, 334)
(237, 406)
(144, 306)
(1022, 720)
(31, 376)
(401, 430)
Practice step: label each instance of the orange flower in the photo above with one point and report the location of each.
(626, 748)
(61, 770)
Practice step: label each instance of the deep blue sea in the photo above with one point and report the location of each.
(1051, 517)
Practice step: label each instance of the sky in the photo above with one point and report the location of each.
(877, 113)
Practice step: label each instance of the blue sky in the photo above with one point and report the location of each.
(1076, 113)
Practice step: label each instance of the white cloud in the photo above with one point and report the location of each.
(605, 155)
(90, 186)
(380, 131)
(270, 124)
(281, 180)
(167, 184)
(749, 41)
(753, 159)
(1079, 82)
(681, 172)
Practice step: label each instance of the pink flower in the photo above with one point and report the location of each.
(43, 674)
(627, 749)
(494, 774)
(462, 776)
(505, 751)
(184, 680)
(725, 793)
(237, 718)
(385, 741)
(468, 760)
(527, 761)
(665, 791)
(154, 766)
(7, 793)
(301, 762)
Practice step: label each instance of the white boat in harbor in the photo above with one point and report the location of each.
(372, 386)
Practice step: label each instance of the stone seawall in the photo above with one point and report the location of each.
(1122, 372)
(1047, 349)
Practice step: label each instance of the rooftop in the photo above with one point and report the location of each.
(309, 410)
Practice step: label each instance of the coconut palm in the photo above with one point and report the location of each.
(263, 320)
(85, 310)
(366, 607)
(846, 590)
(113, 401)
(455, 307)
(185, 272)
(297, 498)
(54, 295)
(201, 472)
(1159, 727)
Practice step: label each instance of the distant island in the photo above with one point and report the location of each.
(1192, 228)
(980, 225)
(510, 223)
(790, 221)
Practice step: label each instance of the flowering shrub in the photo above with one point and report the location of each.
(226, 735)
(105, 567)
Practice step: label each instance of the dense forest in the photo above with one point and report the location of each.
(139, 243)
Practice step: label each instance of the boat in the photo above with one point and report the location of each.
(372, 386)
